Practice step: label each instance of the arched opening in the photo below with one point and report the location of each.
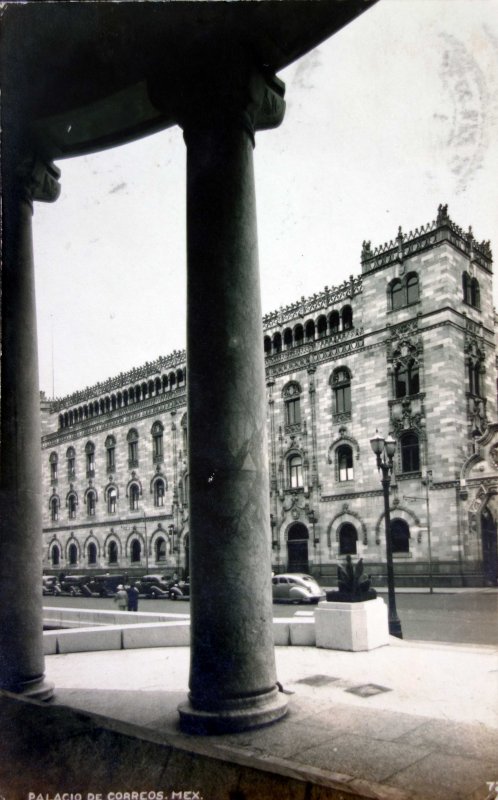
(55, 555)
(489, 548)
(136, 551)
(113, 553)
(297, 548)
(72, 555)
(348, 538)
(400, 536)
(92, 554)
(160, 549)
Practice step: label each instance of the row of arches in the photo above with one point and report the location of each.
(158, 489)
(325, 325)
(162, 549)
(133, 394)
(298, 542)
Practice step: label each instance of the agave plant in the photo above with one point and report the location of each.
(354, 585)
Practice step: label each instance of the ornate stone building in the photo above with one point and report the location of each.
(407, 348)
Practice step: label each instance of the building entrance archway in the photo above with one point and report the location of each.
(489, 547)
(297, 548)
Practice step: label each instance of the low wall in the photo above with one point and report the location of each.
(76, 631)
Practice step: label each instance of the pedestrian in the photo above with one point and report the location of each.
(121, 598)
(132, 593)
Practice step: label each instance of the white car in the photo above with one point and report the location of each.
(295, 587)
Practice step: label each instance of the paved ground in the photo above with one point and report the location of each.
(413, 719)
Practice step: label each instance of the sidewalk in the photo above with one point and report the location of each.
(413, 719)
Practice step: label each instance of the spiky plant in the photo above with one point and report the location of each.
(354, 585)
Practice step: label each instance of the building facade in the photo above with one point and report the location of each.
(406, 348)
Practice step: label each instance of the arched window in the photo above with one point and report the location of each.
(136, 551)
(406, 379)
(295, 472)
(159, 492)
(132, 440)
(471, 291)
(267, 345)
(474, 372)
(412, 288)
(134, 493)
(72, 502)
(277, 343)
(54, 508)
(291, 394)
(157, 442)
(321, 326)
(71, 463)
(91, 499)
(92, 553)
(334, 322)
(112, 496)
(309, 331)
(347, 318)
(160, 549)
(345, 463)
(287, 338)
(475, 293)
(396, 295)
(110, 447)
(400, 536)
(55, 555)
(341, 385)
(90, 459)
(113, 552)
(410, 452)
(72, 554)
(298, 335)
(53, 460)
(348, 538)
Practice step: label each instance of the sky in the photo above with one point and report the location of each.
(387, 119)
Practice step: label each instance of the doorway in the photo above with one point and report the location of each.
(297, 548)
(489, 547)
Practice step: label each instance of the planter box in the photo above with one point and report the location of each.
(352, 626)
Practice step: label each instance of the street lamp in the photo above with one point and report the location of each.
(174, 547)
(384, 450)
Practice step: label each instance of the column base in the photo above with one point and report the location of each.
(36, 689)
(251, 713)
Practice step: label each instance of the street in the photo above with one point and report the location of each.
(469, 617)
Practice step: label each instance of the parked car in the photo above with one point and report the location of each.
(296, 588)
(102, 585)
(180, 591)
(74, 585)
(51, 585)
(154, 586)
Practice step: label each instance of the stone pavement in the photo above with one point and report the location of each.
(409, 720)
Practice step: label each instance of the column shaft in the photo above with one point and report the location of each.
(232, 672)
(21, 623)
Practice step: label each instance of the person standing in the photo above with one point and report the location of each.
(132, 593)
(121, 598)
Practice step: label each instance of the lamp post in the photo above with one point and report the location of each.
(384, 450)
(174, 548)
(146, 546)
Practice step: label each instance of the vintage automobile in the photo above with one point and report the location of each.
(73, 585)
(102, 585)
(51, 585)
(153, 586)
(180, 591)
(296, 588)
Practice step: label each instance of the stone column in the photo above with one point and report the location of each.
(21, 623)
(233, 682)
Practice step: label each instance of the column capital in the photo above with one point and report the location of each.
(38, 179)
(222, 96)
